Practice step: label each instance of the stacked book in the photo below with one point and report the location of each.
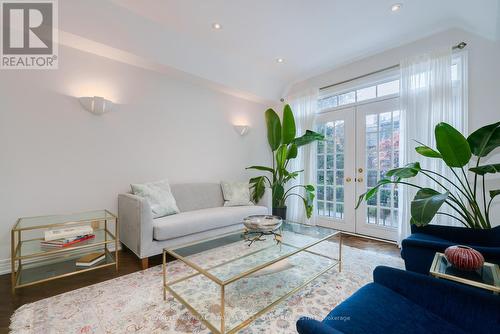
(90, 259)
(65, 237)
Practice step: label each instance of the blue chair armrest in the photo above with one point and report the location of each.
(473, 309)
(307, 325)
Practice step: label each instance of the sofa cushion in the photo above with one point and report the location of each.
(377, 309)
(196, 221)
(159, 196)
(196, 196)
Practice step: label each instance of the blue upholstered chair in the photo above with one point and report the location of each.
(419, 248)
(405, 302)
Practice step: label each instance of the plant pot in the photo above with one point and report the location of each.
(280, 212)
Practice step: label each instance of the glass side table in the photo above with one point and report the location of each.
(31, 263)
(488, 277)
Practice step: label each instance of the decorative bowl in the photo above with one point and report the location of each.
(464, 257)
(262, 223)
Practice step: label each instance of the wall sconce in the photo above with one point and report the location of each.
(97, 105)
(241, 129)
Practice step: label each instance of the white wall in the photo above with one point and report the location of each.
(484, 74)
(55, 157)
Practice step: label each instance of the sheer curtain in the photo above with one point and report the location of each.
(304, 106)
(432, 91)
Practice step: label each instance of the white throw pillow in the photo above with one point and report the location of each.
(236, 193)
(159, 195)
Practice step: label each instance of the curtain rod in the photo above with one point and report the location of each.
(459, 46)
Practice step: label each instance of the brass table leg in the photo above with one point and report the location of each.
(164, 268)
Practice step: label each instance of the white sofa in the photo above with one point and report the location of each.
(202, 215)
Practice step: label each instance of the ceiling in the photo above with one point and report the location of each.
(311, 36)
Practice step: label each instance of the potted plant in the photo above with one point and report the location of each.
(460, 193)
(284, 145)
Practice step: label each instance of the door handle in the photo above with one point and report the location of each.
(360, 179)
(348, 179)
(360, 170)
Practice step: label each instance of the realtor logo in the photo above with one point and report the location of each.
(29, 34)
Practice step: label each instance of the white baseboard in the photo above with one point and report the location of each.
(4, 266)
(5, 263)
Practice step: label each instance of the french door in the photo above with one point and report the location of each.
(362, 144)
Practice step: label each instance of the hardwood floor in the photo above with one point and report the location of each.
(128, 264)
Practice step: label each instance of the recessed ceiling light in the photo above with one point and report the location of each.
(280, 60)
(216, 26)
(396, 7)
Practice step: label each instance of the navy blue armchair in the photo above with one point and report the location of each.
(401, 301)
(419, 248)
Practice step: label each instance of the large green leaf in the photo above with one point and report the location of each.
(425, 205)
(370, 193)
(262, 168)
(486, 169)
(452, 145)
(273, 129)
(292, 151)
(308, 138)
(494, 193)
(484, 140)
(410, 170)
(426, 151)
(257, 187)
(281, 154)
(309, 202)
(288, 130)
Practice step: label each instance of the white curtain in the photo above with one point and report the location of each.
(304, 106)
(432, 91)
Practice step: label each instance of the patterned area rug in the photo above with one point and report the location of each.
(134, 303)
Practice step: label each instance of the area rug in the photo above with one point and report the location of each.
(134, 303)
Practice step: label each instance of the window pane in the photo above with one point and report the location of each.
(321, 146)
(371, 217)
(329, 162)
(339, 193)
(340, 211)
(385, 217)
(320, 193)
(330, 146)
(347, 98)
(321, 177)
(340, 178)
(329, 130)
(321, 208)
(372, 178)
(329, 209)
(366, 93)
(385, 198)
(329, 194)
(329, 178)
(327, 102)
(321, 162)
(340, 161)
(388, 88)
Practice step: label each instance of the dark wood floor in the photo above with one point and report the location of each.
(128, 264)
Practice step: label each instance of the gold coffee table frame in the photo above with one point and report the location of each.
(223, 283)
(32, 264)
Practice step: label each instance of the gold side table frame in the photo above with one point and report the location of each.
(42, 263)
(495, 271)
(223, 283)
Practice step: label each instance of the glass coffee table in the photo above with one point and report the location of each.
(232, 280)
(488, 277)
